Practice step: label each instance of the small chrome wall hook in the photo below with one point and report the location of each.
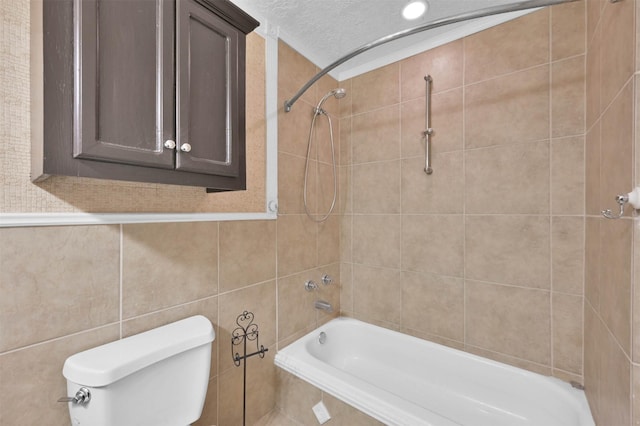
(621, 199)
(632, 198)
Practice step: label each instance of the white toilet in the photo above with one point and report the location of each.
(155, 378)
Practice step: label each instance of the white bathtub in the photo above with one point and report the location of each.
(402, 380)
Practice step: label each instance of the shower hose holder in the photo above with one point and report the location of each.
(632, 198)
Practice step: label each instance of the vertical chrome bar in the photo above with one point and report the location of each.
(428, 130)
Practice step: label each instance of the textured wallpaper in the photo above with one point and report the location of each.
(68, 194)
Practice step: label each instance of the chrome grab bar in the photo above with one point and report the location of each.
(428, 130)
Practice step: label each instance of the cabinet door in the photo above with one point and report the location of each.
(208, 114)
(124, 80)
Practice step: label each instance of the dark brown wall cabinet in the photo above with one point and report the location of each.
(146, 91)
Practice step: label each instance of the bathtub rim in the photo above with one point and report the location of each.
(357, 397)
(313, 371)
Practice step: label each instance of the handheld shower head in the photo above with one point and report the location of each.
(338, 93)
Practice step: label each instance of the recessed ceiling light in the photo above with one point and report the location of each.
(414, 10)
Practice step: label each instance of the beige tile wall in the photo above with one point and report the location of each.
(485, 254)
(452, 259)
(611, 326)
(66, 289)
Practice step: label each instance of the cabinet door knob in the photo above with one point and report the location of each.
(169, 144)
(185, 147)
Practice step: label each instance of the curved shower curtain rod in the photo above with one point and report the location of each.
(494, 10)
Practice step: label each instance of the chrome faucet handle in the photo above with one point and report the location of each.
(310, 285)
(82, 397)
(326, 279)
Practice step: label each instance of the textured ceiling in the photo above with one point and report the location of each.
(325, 30)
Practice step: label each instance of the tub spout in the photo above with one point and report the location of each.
(324, 305)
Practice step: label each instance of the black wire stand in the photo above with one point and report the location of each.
(246, 331)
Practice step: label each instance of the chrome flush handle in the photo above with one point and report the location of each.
(82, 397)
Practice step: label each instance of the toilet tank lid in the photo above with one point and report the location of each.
(106, 364)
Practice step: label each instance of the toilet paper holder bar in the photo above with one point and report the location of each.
(632, 198)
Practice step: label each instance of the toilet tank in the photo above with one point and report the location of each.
(155, 378)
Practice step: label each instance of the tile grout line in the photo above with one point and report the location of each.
(464, 197)
(351, 220)
(401, 321)
(59, 338)
(512, 357)
(634, 156)
(479, 148)
(277, 285)
(584, 197)
(481, 215)
(610, 333)
(597, 121)
(217, 296)
(550, 199)
(121, 273)
(613, 100)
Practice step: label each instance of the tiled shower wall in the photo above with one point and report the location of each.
(66, 289)
(612, 355)
(486, 254)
